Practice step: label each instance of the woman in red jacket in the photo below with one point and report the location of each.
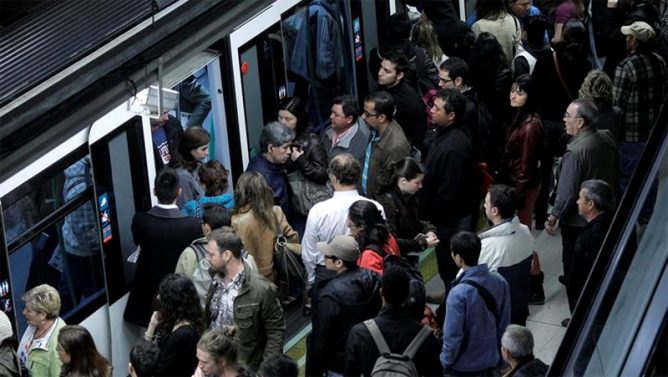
(520, 164)
(521, 157)
(369, 229)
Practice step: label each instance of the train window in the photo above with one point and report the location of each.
(38, 198)
(6, 301)
(63, 249)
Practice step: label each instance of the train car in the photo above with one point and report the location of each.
(77, 152)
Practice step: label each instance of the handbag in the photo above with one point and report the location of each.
(287, 262)
(306, 193)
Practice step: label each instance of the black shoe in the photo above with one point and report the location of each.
(535, 299)
(562, 279)
(539, 225)
(536, 292)
(565, 322)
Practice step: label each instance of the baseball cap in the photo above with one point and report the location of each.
(639, 29)
(341, 247)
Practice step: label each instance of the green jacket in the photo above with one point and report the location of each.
(596, 153)
(45, 362)
(258, 316)
(9, 363)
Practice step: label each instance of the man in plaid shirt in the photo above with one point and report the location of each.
(639, 89)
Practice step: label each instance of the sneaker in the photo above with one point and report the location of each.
(565, 322)
(436, 297)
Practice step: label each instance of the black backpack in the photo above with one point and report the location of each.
(417, 293)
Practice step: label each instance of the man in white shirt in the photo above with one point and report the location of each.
(329, 218)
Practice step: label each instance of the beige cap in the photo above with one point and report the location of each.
(341, 247)
(639, 29)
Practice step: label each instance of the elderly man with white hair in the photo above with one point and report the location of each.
(517, 351)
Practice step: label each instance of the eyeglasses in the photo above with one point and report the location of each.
(368, 114)
(444, 81)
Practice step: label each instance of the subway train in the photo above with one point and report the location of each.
(77, 154)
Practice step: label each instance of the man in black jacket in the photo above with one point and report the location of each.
(161, 233)
(447, 193)
(595, 204)
(397, 328)
(346, 299)
(410, 114)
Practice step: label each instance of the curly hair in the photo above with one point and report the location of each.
(253, 192)
(597, 87)
(177, 301)
(213, 176)
(373, 229)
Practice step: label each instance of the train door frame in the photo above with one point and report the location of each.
(238, 38)
(114, 124)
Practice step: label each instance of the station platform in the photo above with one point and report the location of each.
(544, 320)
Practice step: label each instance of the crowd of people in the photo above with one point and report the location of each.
(484, 122)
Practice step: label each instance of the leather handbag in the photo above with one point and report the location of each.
(306, 193)
(287, 261)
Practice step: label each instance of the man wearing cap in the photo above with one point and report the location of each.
(639, 88)
(351, 296)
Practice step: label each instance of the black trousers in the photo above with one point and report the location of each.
(569, 235)
(447, 269)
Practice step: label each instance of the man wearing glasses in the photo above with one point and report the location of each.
(387, 144)
(590, 154)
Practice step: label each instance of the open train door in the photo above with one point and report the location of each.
(121, 166)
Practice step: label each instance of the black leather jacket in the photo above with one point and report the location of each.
(343, 301)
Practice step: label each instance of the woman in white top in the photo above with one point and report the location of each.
(494, 19)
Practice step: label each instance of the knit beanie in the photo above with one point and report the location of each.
(6, 330)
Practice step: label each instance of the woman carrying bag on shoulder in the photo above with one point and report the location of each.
(255, 218)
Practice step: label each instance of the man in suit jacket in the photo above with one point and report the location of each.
(161, 233)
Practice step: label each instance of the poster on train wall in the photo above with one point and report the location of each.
(105, 219)
(357, 37)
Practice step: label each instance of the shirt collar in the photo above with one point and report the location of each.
(167, 206)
